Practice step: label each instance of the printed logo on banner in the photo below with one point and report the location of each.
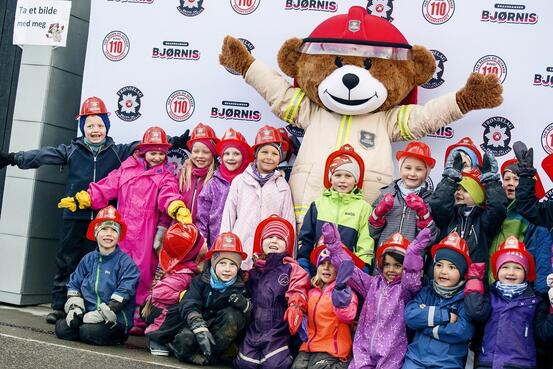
(545, 81)
(116, 46)
(133, 1)
(180, 105)
(129, 103)
(437, 80)
(176, 158)
(381, 8)
(249, 46)
(235, 110)
(175, 50)
(444, 132)
(295, 131)
(497, 135)
(547, 139)
(190, 8)
(491, 64)
(438, 11)
(320, 6)
(244, 7)
(509, 13)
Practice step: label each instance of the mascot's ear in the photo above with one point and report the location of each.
(288, 56)
(424, 63)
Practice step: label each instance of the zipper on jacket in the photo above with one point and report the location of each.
(94, 179)
(98, 300)
(402, 217)
(194, 194)
(336, 340)
(377, 315)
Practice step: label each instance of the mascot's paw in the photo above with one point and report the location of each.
(234, 55)
(480, 92)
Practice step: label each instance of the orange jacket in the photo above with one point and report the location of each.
(329, 326)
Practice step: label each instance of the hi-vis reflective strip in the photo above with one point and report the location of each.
(301, 209)
(402, 119)
(343, 131)
(293, 106)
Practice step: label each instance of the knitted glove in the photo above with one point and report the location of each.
(415, 248)
(489, 168)
(179, 142)
(453, 167)
(74, 307)
(525, 159)
(341, 295)
(6, 159)
(240, 302)
(331, 237)
(474, 277)
(158, 238)
(378, 216)
(415, 202)
(199, 327)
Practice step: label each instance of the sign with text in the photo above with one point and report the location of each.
(41, 22)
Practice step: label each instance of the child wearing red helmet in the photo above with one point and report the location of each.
(100, 293)
(512, 313)
(145, 189)
(402, 206)
(236, 155)
(470, 155)
(278, 285)
(341, 202)
(331, 310)
(381, 337)
(178, 260)
(198, 169)
(470, 202)
(437, 313)
(216, 307)
(259, 191)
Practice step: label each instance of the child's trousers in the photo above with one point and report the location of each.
(318, 360)
(225, 327)
(73, 246)
(100, 334)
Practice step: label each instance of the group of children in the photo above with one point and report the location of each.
(207, 267)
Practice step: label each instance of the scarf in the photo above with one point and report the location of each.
(259, 177)
(217, 284)
(94, 147)
(228, 175)
(200, 172)
(447, 292)
(511, 290)
(406, 191)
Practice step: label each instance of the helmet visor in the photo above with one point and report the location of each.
(365, 51)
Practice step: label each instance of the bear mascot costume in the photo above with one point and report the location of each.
(356, 78)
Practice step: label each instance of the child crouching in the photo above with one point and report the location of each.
(437, 313)
(278, 286)
(331, 309)
(215, 307)
(100, 293)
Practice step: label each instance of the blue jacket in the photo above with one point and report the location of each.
(437, 343)
(101, 278)
(510, 327)
(539, 242)
(84, 166)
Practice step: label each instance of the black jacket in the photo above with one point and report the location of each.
(539, 213)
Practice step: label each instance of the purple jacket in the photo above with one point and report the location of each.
(211, 203)
(381, 337)
(190, 197)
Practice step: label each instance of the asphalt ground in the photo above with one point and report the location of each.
(27, 341)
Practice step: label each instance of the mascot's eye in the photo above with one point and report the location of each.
(368, 63)
(338, 62)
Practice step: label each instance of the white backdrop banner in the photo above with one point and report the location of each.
(155, 62)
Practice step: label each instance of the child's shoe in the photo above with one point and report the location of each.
(158, 349)
(136, 331)
(54, 316)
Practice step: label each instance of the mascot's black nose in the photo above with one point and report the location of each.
(350, 80)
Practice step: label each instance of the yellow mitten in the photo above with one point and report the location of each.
(174, 207)
(184, 216)
(83, 199)
(68, 203)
